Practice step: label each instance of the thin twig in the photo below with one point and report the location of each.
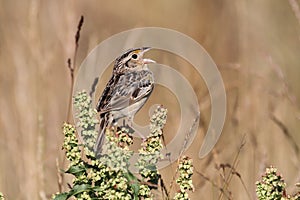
(234, 172)
(71, 90)
(173, 178)
(73, 66)
(187, 137)
(286, 132)
(164, 190)
(286, 89)
(295, 8)
(77, 37)
(59, 177)
(213, 183)
(184, 146)
(234, 164)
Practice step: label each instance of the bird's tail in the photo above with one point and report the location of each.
(104, 123)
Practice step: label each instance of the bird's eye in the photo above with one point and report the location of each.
(134, 56)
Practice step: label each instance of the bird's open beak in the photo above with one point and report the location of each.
(145, 49)
(148, 61)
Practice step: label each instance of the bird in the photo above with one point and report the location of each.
(128, 89)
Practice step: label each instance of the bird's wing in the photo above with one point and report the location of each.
(124, 91)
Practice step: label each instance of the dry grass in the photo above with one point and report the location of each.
(255, 44)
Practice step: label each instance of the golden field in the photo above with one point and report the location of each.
(255, 44)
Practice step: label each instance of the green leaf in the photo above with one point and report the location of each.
(77, 189)
(151, 167)
(130, 176)
(134, 184)
(136, 188)
(62, 196)
(76, 170)
(97, 189)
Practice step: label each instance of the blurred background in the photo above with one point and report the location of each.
(255, 44)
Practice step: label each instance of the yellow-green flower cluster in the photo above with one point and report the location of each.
(295, 197)
(108, 177)
(184, 180)
(84, 196)
(115, 186)
(73, 153)
(158, 121)
(145, 192)
(109, 183)
(150, 152)
(1, 196)
(104, 178)
(86, 116)
(271, 186)
(108, 172)
(116, 148)
(124, 137)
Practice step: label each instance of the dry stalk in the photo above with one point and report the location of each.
(213, 183)
(60, 177)
(72, 66)
(296, 9)
(234, 164)
(286, 132)
(184, 146)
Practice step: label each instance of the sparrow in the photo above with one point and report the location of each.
(128, 89)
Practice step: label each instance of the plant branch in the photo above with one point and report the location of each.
(72, 66)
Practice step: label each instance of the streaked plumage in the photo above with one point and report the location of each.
(126, 92)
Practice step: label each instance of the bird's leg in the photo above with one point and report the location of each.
(130, 124)
(124, 120)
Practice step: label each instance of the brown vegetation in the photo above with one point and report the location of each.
(255, 45)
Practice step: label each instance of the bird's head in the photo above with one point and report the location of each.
(132, 59)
